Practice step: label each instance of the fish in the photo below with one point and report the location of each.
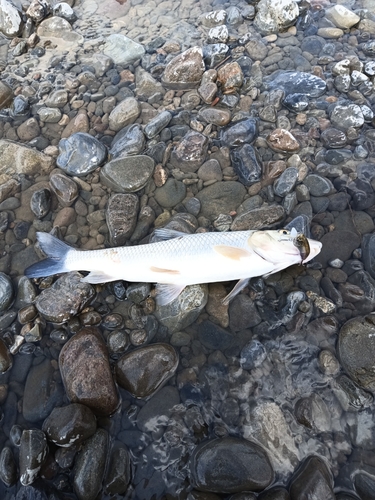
(179, 259)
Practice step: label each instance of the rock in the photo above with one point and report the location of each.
(218, 34)
(214, 337)
(90, 465)
(28, 130)
(247, 164)
(183, 310)
(64, 10)
(286, 182)
(42, 393)
(318, 185)
(8, 467)
(6, 93)
(6, 292)
(214, 53)
(33, 451)
(57, 99)
(146, 85)
(157, 124)
(296, 102)
(364, 485)
(252, 355)
(10, 19)
(312, 480)
(40, 203)
(356, 349)
(80, 154)
(79, 123)
(158, 410)
(171, 193)
(210, 170)
(246, 466)
(144, 371)
(312, 412)
(230, 77)
(242, 313)
(70, 425)
(330, 32)
(221, 197)
(213, 18)
(190, 153)
(215, 115)
(20, 159)
(64, 188)
(122, 50)
(184, 71)
(341, 16)
(118, 474)
(86, 372)
(333, 138)
(73, 297)
(128, 141)
(272, 17)
(292, 82)
(258, 218)
(337, 244)
(99, 62)
(121, 217)
(125, 113)
(5, 357)
(239, 133)
(350, 396)
(58, 27)
(38, 10)
(127, 174)
(347, 115)
(282, 141)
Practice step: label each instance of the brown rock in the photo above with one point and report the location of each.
(79, 123)
(215, 115)
(215, 306)
(191, 152)
(6, 95)
(185, 70)
(259, 218)
(28, 130)
(86, 372)
(9, 188)
(65, 217)
(230, 77)
(282, 141)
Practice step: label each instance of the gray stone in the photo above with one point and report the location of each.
(341, 16)
(119, 473)
(185, 70)
(122, 50)
(318, 186)
(127, 174)
(191, 152)
(273, 16)
(347, 115)
(157, 124)
(20, 159)
(144, 371)
(57, 99)
(64, 10)
(58, 27)
(312, 480)
(221, 197)
(146, 85)
(49, 115)
(171, 193)
(80, 154)
(64, 188)
(239, 133)
(258, 218)
(338, 245)
(40, 203)
(121, 217)
(128, 141)
(295, 82)
(6, 292)
(125, 113)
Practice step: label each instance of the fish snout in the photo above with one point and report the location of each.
(315, 248)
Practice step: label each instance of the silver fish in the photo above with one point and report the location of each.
(181, 259)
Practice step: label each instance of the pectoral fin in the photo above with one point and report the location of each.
(240, 285)
(167, 292)
(168, 234)
(233, 253)
(98, 277)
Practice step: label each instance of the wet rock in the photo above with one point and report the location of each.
(213, 18)
(80, 154)
(341, 16)
(230, 77)
(6, 93)
(218, 34)
(330, 32)
(337, 244)
(276, 493)
(286, 182)
(128, 141)
(70, 425)
(318, 185)
(350, 396)
(292, 82)
(365, 485)
(368, 255)
(121, 217)
(312, 412)
(40, 203)
(6, 292)
(246, 466)
(272, 17)
(157, 124)
(145, 370)
(242, 313)
(73, 297)
(49, 115)
(5, 357)
(312, 480)
(90, 464)
(57, 99)
(239, 133)
(356, 350)
(158, 410)
(33, 451)
(183, 310)
(146, 85)
(20, 159)
(64, 188)
(215, 115)
(214, 53)
(282, 141)
(64, 10)
(258, 218)
(122, 50)
(28, 130)
(296, 102)
(191, 152)
(171, 193)
(247, 164)
(125, 113)
(347, 115)
(127, 174)
(10, 19)
(8, 467)
(185, 70)
(118, 474)
(333, 138)
(252, 355)
(214, 337)
(42, 392)
(86, 373)
(210, 170)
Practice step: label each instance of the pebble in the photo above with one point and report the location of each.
(185, 70)
(129, 140)
(33, 451)
(247, 164)
(80, 154)
(122, 50)
(313, 478)
(190, 153)
(64, 188)
(171, 193)
(6, 292)
(8, 467)
(239, 133)
(125, 113)
(121, 216)
(127, 174)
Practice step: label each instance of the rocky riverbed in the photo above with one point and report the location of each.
(119, 117)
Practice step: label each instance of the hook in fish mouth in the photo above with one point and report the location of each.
(302, 243)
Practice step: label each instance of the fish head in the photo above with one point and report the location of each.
(282, 245)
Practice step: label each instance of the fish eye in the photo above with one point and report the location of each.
(283, 231)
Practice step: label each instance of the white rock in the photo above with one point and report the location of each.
(122, 49)
(218, 34)
(10, 19)
(342, 17)
(213, 18)
(275, 15)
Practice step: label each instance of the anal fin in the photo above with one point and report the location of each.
(98, 277)
(240, 285)
(167, 292)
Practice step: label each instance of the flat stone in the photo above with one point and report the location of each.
(318, 185)
(258, 218)
(347, 115)
(337, 245)
(6, 95)
(330, 32)
(121, 217)
(171, 193)
(185, 70)
(122, 50)
(80, 154)
(127, 174)
(130, 140)
(245, 463)
(86, 373)
(191, 152)
(145, 370)
(215, 115)
(292, 82)
(247, 164)
(58, 27)
(125, 113)
(341, 16)
(282, 141)
(10, 19)
(239, 133)
(221, 197)
(157, 124)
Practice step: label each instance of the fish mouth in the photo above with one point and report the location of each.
(302, 243)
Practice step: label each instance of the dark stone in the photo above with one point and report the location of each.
(296, 102)
(214, 53)
(337, 245)
(171, 193)
(365, 485)
(80, 154)
(128, 141)
(252, 355)
(213, 336)
(368, 253)
(127, 174)
(64, 188)
(191, 152)
(40, 203)
(247, 164)
(312, 480)
(242, 313)
(292, 82)
(351, 396)
(6, 292)
(333, 138)
(118, 475)
(8, 467)
(275, 493)
(33, 451)
(286, 182)
(221, 197)
(121, 217)
(337, 156)
(239, 133)
(158, 410)
(20, 107)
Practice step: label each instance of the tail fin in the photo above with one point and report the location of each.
(56, 251)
